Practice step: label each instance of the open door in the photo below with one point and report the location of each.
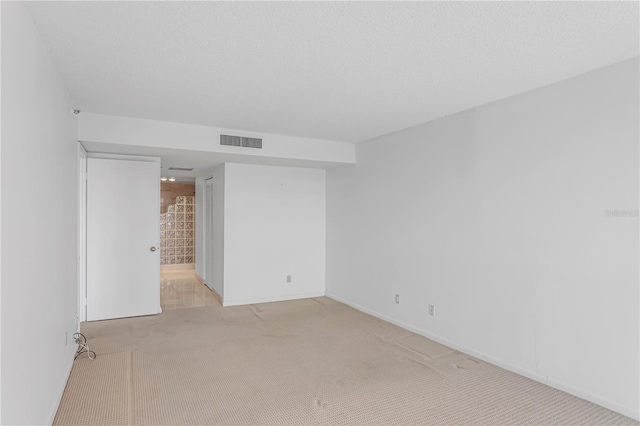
(123, 255)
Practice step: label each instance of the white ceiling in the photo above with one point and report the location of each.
(345, 71)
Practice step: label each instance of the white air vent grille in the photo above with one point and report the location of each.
(240, 141)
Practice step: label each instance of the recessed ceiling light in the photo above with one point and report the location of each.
(164, 179)
(172, 179)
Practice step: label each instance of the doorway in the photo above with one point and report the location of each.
(177, 226)
(179, 287)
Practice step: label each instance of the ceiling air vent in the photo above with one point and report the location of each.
(182, 169)
(240, 141)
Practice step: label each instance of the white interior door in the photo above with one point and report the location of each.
(123, 256)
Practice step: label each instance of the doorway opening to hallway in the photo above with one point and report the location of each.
(181, 289)
(177, 226)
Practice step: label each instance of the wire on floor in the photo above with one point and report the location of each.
(83, 347)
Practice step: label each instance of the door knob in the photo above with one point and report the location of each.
(152, 249)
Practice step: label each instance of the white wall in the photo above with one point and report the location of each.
(497, 217)
(274, 226)
(39, 220)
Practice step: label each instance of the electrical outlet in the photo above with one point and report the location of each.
(288, 278)
(432, 310)
(398, 299)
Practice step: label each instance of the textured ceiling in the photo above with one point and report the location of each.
(339, 71)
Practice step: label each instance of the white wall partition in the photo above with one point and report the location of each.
(276, 149)
(274, 233)
(518, 221)
(39, 225)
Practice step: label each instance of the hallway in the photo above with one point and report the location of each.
(181, 289)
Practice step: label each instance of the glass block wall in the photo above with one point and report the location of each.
(177, 232)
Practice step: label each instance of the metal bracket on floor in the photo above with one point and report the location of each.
(83, 347)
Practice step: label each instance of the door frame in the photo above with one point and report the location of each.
(81, 313)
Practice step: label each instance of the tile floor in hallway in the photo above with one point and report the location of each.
(181, 289)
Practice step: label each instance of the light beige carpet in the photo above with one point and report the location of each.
(312, 361)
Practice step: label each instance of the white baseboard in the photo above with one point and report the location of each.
(60, 392)
(596, 399)
(580, 393)
(272, 299)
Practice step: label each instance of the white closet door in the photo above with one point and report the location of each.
(123, 255)
(208, 217)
